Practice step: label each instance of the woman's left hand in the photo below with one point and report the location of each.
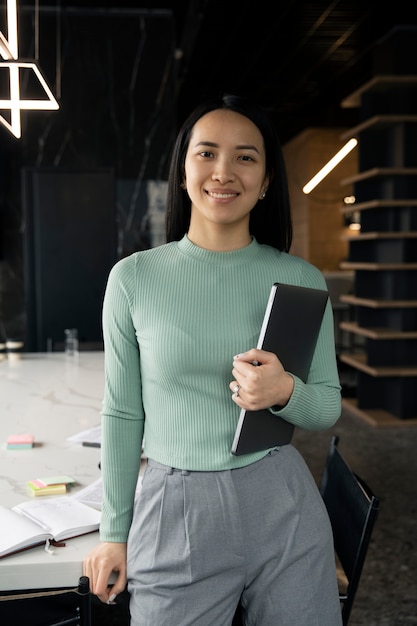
(260, 381)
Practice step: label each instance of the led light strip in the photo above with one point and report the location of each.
(330, 165)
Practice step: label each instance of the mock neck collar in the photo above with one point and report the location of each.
(229, 257)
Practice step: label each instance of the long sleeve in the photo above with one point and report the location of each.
(122, 414)
(173, 317)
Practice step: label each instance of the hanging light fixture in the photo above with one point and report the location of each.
(9, 52)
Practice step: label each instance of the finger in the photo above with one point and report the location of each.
(250, 356)
(242, 369)
(89, 572)
(104, 592)
(248, 375)
(98, 577)
(235, 387)
(117, 588)
(255, 356)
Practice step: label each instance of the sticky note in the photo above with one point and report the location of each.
(15, 442)
(55, 480)
(48, 490)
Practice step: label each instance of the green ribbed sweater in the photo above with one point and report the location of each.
(173, 318)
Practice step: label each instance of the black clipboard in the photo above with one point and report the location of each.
(290, 329)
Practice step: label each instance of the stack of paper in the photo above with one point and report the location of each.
(20, 442)
(51, 486)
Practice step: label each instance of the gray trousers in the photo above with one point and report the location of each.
(200, 542)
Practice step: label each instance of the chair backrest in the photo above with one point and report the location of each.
(353, 509)
(48, 607)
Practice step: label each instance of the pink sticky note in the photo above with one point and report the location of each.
(20, 441)
(37, 484)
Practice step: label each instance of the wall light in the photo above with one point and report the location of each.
(353, 219)
(339, 156)
(9, 52)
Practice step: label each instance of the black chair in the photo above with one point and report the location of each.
(52, 607)
(353, 509)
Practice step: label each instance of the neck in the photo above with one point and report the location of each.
(219, 239)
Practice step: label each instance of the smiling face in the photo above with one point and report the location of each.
(224, 174)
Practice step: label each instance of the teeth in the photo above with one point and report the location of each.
(221, 195)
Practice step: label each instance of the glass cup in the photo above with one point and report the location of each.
(71, 341)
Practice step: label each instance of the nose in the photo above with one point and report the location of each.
(223, 171)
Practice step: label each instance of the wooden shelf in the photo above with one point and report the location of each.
(409, 234)
(351, 265)
(377, 417)
(383, 255)
(377, 333)
(378, 204)
(379, 121)
(358, 361)
(379, 172)
(378, 304)
(383, 82)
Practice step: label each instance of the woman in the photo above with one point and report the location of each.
(209, 529)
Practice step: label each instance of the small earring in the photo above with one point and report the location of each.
(262, 196)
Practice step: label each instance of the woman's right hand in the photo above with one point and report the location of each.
(100, 563)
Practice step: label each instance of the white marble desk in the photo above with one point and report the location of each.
(53, 396)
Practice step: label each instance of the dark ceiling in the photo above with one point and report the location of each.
(298, 58)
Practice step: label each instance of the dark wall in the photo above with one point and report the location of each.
(113, 73)
(70, 246)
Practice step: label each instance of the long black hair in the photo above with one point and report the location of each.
(270, 219)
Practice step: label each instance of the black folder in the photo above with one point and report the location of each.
(290, 329)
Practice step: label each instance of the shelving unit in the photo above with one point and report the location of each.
(384, 255)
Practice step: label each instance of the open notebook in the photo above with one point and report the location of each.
(36, 522)
(290, 329)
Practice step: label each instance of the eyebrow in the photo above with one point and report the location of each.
(212, 144)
